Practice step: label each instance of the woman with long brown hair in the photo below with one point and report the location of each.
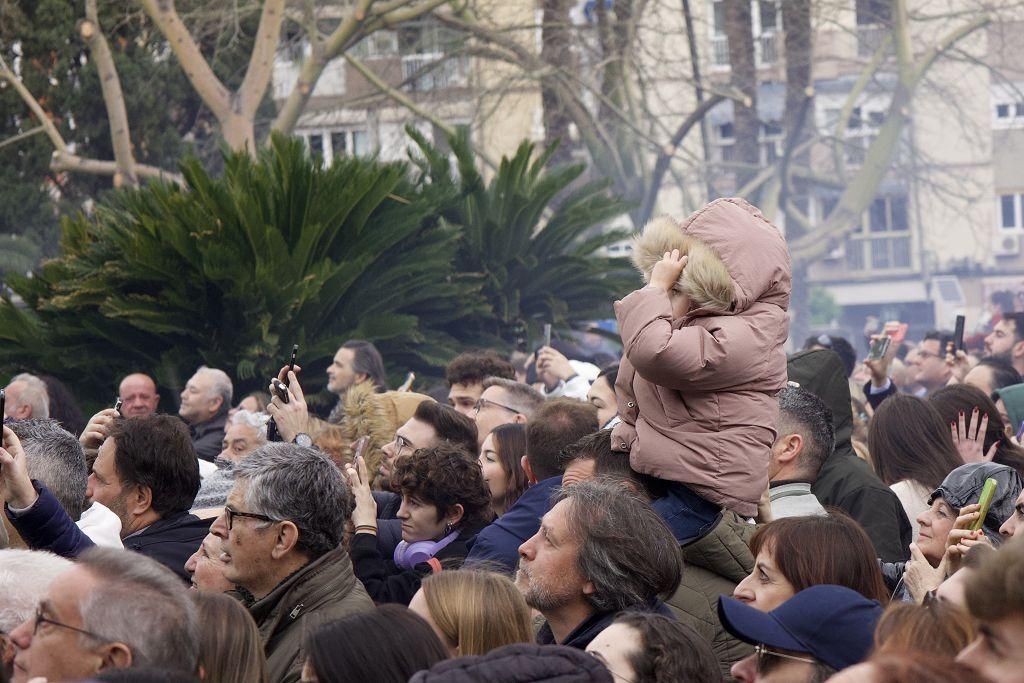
(500, 459)
(912, 451)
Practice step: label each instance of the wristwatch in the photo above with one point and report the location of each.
(303, 439)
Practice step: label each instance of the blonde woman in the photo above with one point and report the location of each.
(230, 650)
(473, 611)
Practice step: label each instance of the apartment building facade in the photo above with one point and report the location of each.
(946, 230)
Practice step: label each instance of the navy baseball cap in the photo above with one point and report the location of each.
(833, 624)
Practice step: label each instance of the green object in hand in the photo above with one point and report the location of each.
(985, 501)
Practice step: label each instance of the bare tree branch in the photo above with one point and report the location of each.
(113, 97)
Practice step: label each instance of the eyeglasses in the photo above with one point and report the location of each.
(231, 514)
(765, 655)
(40, 619)
(401, 443)
(482, 403)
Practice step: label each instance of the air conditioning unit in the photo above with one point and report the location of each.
(1006, 245)
(837, 254)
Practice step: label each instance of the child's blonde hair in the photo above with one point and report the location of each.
(705, 280)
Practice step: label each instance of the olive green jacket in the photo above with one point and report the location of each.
(714, 565)
(323, 591)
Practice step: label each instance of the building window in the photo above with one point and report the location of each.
(882, 239)
(873, 22)
(383, 43)
(355, 141)
(771, 141)
(1011, 211)
(765, 21)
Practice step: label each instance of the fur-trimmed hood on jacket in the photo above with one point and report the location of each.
(733, 261)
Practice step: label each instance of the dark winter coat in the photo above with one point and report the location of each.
(845, 481)
(519, 663)
(170, 540)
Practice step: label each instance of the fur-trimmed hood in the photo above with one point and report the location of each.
(736, 257)
(368, 413)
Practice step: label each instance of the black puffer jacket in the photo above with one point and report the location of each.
(520, 663)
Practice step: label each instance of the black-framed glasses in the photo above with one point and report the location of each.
(231, 514)
(40, 619)
(482, 403)
(766, 658)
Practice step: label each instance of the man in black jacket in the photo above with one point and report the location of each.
(845, 481)
(147, 474)
(600, 550)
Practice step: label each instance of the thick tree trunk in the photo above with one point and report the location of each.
(556, 48)
(746, 126)
(796, 19)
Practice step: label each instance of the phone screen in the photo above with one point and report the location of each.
(878, 348)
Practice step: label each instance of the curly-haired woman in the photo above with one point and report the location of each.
(444, 504)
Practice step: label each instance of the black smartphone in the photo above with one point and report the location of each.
(117, 404)
(281, 388)
(958, 333)
(3, 405)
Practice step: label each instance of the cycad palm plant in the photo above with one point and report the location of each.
(532, 234)
(231, 271)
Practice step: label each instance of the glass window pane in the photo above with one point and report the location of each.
(898, 212)
(360, 142)
(1020, 109)
(339, 143)
(1009, 217)
(719, 18)
(855, 254)
(876, 216)
(1002, 111)
(901, 252)
(854, 122)
(880, 254)
(316, 145)
(769, 14)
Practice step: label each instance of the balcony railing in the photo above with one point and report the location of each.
(433, 71)
(766, 50)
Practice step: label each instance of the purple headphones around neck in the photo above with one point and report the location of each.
(408, 555)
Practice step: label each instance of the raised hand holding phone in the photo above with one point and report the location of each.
(291, 416)
(15, 484)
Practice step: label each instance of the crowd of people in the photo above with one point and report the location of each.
(703, 508)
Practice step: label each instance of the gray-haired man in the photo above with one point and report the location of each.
(26, 397)
(205, 402)
(113, 609)
(281, 531)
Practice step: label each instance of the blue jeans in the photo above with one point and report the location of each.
(688, 515)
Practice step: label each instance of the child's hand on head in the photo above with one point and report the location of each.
(667, 271)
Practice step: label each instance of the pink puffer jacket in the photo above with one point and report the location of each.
(697, 396)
